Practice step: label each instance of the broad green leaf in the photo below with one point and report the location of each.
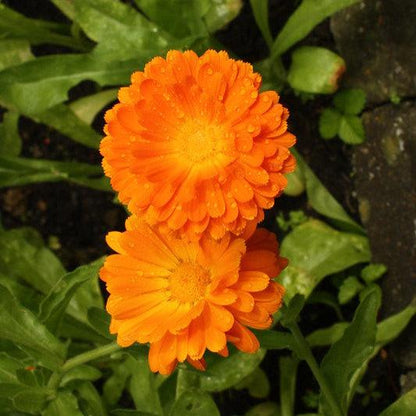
(256, 383)
(322, 201)
(41, 83)
(295, 183)
(120, 31)
(87, 108)
(350, 101)
(265, 409)
(129, 412)
(308, 15)
(30, 401)
(62, 294)
(327, 336)
(221, 13)
(261, 14)
(315, 251)
(16, 171)
(223, 373)
(10, 142)
(82, 372)
(142, 386)
(194, 403)
(288, 369)
(115, 384)
(19, 325)
(351, 130)
(64, 120)
(65, 404)
(315, 70)
(373, 272)
(14, 52)
(347, 355)
(179, 18)
(24, 256)
(90, 401)
(72, 328)
(27, 296)
(404, 406)
(66, 7)
(290, 313)
(329, 123)
(350, 287)
(15, 25)
(100, 320)
(9, 383)
(274, 340)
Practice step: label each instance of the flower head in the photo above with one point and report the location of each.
(186, 297)
(195, 147)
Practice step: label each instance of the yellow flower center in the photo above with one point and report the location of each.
(188, 283)
(198, 141)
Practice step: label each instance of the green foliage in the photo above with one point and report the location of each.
(343, 119)
(316, 250)
(315, 70)
(56, 354)
(404, 406)
(351, 351)
(308, 15)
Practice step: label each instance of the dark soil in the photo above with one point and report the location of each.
(75, 220)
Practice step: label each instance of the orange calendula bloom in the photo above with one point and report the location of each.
(194, 146)
(184, 297)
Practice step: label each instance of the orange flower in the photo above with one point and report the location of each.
(194, 146)
(184, 297)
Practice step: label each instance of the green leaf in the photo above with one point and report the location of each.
(179, 18)
(315, 251)
(350, 287)
(290, 313)
(19, 325)
(10, 142)
(391, 327)
(373, 272)
(323, 202)
(350, 101)
(64, 120)
(308, 15)
(328, 299)
(115, 384)
(347, 355)
(142, 386)
(129, 412)
(256, 383)
(15, 25)
(295, 183)
(221, 13)
(404, 406)
(34, 86)
(86, 108)
(315, 70)
(223, 373)
(14, 52)
(327, 336)
(351, 130)
(17, 171)
(82, 372)
(120, 31)
(90, 401)
(264, 409)
(65, 404)
(24, 256)
(100, 320)
(329, 123)
(261, 14)
(194, 403)
(56, 302)
(30, 401)
(274, 340)
(66, 7)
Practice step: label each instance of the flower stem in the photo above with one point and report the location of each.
(306, 354)
(81, 359)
